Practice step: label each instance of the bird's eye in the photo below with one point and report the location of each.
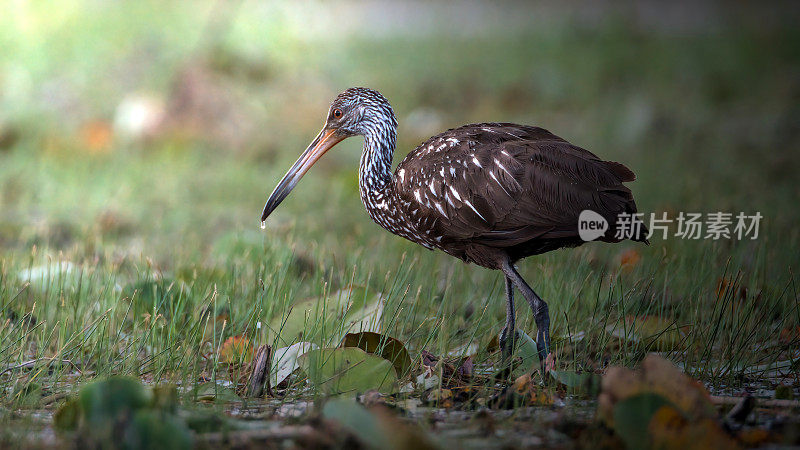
(337, 113)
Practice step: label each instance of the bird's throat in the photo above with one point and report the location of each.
(375, 168)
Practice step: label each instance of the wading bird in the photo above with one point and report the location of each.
(489, 193)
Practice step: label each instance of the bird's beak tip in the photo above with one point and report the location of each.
(326, 139)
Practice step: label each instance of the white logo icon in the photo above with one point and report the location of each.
(591, 225)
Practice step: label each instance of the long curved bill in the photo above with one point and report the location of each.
(322, 143)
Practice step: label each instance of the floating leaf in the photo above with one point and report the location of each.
(68, 415)
(352, 309)
(386, 347)
(526, 349)
(586, 382)
(348, 370)
(669, 428)
(356, 419)
(376, 427)
(156, 430)
(632, 417)
(657, 376)
(285, 361)
(102, 401)
(214, 392)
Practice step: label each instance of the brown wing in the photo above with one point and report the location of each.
(504, 184)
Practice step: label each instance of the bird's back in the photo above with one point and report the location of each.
(484, 190)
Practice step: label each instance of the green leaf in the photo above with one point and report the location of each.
(585, 382)
(68, 415)
(348, 370)
(103, 401)
(632, 417)
(156, 430)
(526, 349)
(213, 392)
(386, 347)
(356, 419)
(327, 319)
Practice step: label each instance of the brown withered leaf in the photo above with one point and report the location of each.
(523, 392)
(659, 376)
(669, 429)
(676, 408)
(455, 372)
(235, 350)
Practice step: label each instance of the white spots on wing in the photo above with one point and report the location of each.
(441, 171)
(501, 166)
(441, 210)
(452, 172)
(505, 153)
(401, 173)
(417, 196)
(441, 147)
(450, 202)
(468, 203)
(431, 187)
(455, 193)
(477, 163)
(488, 130)
(453, 141)
(491, 174)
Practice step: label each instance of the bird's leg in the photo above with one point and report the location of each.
(508, 337)
(540, 314)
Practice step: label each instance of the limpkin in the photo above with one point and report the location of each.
(488, 193)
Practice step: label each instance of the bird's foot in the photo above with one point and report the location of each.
(548, 365)
(507, 343)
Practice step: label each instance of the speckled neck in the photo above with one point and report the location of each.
(375, 168)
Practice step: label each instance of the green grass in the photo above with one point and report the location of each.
(168, 260)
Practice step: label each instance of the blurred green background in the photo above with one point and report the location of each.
(148, 130)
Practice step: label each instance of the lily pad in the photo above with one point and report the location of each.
(156, 430)
(386, 347)
(632, 417)
(214, 392)
(102, 401)
(327, 319)
(348, 370)
(356, 419)
(585, 382)
(526, 349)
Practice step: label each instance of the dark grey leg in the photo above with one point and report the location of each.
(540, 312)
(508, 337)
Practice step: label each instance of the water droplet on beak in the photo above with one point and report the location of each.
(263, 224)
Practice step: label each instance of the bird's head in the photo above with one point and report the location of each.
(356, 111)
